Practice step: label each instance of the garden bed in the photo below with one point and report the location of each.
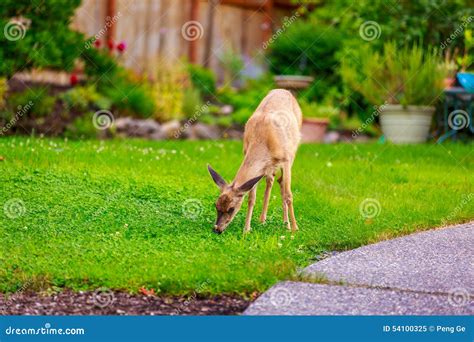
(119, 303)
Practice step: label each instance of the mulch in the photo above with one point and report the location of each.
(106, 302)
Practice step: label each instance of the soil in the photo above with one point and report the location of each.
(105, 302)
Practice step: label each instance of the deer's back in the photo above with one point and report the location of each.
(273, 130)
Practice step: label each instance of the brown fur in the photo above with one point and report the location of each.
(271, 139)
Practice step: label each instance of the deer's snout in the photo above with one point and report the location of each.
(216, 230)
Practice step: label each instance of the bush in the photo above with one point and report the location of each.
(307, 48)
(407, 76)
(38, 35)
(81, 128)
(128, 95)
(82, 98)
(42, 103)
(3, 91)
(192, 102)
(168, 91)
(202, 79)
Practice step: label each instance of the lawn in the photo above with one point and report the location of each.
(132, 214)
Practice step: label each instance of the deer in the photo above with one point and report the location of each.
(271, 139)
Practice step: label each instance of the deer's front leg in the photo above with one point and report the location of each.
(266, 198)
(248, 219)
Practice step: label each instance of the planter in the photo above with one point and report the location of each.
(408, 124)
(466, 79)
(449, 82)
(293, 82)
(314, 129)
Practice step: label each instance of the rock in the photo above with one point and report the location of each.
(331, 137)
(233, 134)
(226, 110)
(123, 124)
(137, 127)
(203, 131)
(144, 128)
(171, 129)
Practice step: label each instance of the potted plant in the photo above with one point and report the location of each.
(404, 83)
(316, 119)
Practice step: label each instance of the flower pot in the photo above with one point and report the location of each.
(466, 79)
(314, 129)
(408, 124)
(449, 82)
(293, 82)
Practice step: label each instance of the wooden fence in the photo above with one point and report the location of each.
(201, 31)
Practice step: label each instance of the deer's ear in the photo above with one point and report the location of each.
(216, 177)
(249, 184)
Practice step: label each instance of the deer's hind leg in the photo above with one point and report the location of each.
(288, 196)
(266, 198)
(283, 202)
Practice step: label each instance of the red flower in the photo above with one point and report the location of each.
(122, 46)
(111, 45)
(73, 79)
(97, 43)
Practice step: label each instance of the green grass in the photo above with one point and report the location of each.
(111, 213)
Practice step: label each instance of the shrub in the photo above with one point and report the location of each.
(407, 76)
(3, 91)
(42, 103)
(202, 79)
(81, 128)
(41, 34)
(307, 48)
(168, 91)
(192, 102)
(83, 97)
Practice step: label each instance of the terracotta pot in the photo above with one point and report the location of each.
(449, 82)
(314, 129)
(408, 124)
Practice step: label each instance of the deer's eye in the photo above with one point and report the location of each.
(231, 210)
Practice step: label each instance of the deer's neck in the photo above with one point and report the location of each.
(253, 165)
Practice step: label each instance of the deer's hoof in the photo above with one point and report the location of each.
(263, 219)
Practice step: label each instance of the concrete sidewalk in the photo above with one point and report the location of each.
(427, 273)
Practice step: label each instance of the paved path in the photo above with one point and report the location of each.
(428, 273)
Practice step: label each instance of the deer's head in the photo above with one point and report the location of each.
(230, 199)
